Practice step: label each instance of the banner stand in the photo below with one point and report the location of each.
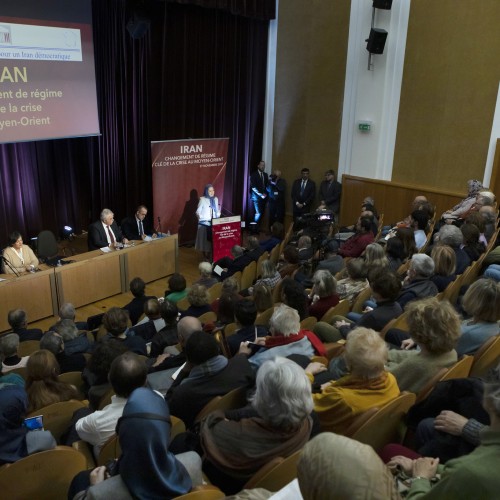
(226, 232)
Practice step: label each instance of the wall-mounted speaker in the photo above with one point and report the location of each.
(382, 4)
(376, 41)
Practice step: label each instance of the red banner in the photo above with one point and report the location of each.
(181, 169)
(226, 232)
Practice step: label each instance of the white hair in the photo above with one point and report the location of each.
(285, 320)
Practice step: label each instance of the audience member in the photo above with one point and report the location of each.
(167, 336)
(16, 440)
(54, 343)
(479, 221)
(367, 385)
(471, 476)
(406, 235)
(277, 234)
(237, 264)
(270, 277)
(482, 302)
(354, 246)
(435, 327)
(206, 374)
(152, 312)
(452, 236)
(444, 266)
(206, 278)
(127, 373)
(199, 300)
(289, 261)
(286, 338)
(18, 321)
(254, 251)
(395, 252)
(350, 287)
(116, 323)
(473, 188)
(68, 311)
(375, 258)
(245, 314)
(74, 340)
(323, 294)
(417, 283)
(278, 424)
(135, 307)
(144, 434)
(304, 248)
(262, 298)
(224, 305)
(95, 374)
(326, 470)
(471, 245)
(294, 296)
(419, 222)
(176, 288)
(9, 344)
(42, 385)
(332, 262)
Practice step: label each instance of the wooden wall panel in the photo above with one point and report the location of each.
(391, 199)
(448, 95)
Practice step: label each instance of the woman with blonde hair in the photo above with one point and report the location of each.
(263, 297)
(445, 263)
(42, 385)
(375, 257)
(435, 327)
(199, 300)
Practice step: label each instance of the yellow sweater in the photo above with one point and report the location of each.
(344, 399)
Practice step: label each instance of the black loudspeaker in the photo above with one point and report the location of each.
(382, 4)
(138, 25)
(376, 41)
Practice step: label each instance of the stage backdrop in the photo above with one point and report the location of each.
(181, 169)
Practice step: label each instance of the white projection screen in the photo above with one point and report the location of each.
(47, 74)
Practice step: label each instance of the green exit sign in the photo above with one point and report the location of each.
(364, 126)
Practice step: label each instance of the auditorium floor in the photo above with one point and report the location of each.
(189, 259)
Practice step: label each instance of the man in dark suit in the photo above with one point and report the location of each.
(239, 262)
(105, 232)
(276, 190)
(303, 194)
(329, 193)
(139, 226)
(258, 186)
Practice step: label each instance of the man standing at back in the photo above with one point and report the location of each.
(329, 193)
(258, 186)
(303, 194)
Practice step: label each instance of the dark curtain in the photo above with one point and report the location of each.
(197, 73)
(258, 9)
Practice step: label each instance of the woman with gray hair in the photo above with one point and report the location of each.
(237, 444)
(470, 476)
(418, 284)
(206, 278)
(286, 338)
(323, 294)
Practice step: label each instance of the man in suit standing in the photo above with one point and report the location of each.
(258, 185)
(276, 190)
(303, 194)
(329, 193)
(105, 232)
(138, 227)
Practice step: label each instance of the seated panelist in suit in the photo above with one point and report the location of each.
(105, 232)
(138, 226)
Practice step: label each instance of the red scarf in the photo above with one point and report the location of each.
(278, 340)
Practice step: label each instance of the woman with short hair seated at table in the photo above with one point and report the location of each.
(367, 385)
(18, 257)
(238, 443)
